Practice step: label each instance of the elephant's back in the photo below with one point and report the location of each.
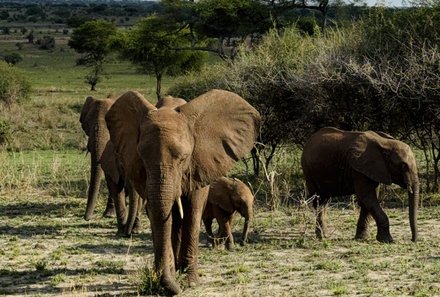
(324, 161)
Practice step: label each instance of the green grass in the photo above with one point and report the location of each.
(47, 249)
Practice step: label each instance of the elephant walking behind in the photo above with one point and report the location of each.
(337, 163)
(227, 196)
(103, 159)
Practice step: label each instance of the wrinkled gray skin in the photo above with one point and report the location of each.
(227, 196)
(337, 163)
(171, 155)
(103, 160)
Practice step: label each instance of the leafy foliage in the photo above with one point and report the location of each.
(153, 45)
(13, 84)
(13, 58)
(93, 40)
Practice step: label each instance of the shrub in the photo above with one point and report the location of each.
(14, 86)
(198, 82)
(46, 43)
(13, 58)
(5, 132)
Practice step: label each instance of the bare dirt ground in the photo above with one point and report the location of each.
(47, 249)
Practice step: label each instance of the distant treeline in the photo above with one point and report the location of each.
(73, 13)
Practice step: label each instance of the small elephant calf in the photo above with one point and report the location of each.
(227, 195)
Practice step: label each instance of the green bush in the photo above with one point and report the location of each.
(14, 86)
(5, 132)
(13, 58)
(198, 82)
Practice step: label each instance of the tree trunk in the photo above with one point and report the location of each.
(158, 84)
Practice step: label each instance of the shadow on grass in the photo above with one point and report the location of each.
(30, 231)
(30, 208)
(143, 247)
(42, 281)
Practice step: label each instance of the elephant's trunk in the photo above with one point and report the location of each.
(95, 182)
(413, 198)
(247, 220)
(160, 212)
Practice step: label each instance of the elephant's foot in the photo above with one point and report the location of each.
(193, 279)
(109, 212)
(170, 285)
(385, 238)
(136, 226)
(229, 245)
(320, 232)
(361, 234)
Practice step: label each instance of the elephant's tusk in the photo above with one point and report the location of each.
(409, 188)
(179, 205)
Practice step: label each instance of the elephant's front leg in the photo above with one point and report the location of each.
(362, 224)
(192, 215)
(208, 227)
(367, 195)
(229, 237)
(133, 224)
(116, 191)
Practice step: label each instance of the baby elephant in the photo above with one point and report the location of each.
(227, 195)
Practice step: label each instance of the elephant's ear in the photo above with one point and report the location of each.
(225, 129)
(123, 121)
(88, 113)
(170, 102)
(109, 163)
(367, 157)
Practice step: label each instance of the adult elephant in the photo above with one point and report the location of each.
(226, 196)
(337, 163)
(103, 159)
(171, 155)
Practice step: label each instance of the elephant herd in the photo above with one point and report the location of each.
(170, 159)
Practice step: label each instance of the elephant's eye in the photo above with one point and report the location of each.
(405, 167)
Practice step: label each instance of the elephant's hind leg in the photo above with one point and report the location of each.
(320, 205)
(109, 211)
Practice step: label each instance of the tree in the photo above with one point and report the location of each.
(151, 45)
(93, 40)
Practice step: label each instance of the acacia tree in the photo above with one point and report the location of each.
(93, 40)
(151, 45)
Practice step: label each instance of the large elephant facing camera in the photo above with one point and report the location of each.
(337, 163)
(171, 155)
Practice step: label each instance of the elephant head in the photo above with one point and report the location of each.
(93, 123)
(172, 152)
(387, 160)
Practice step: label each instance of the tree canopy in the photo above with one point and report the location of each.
(153, 45)
(93, 39)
